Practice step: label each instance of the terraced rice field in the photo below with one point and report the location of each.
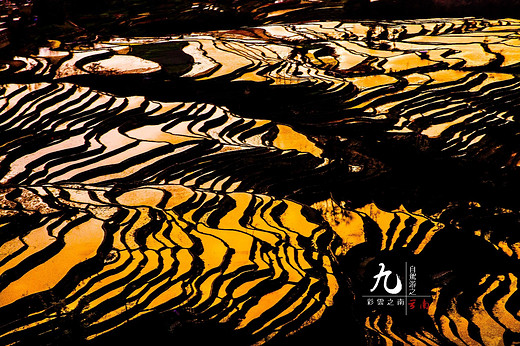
(245, 184)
